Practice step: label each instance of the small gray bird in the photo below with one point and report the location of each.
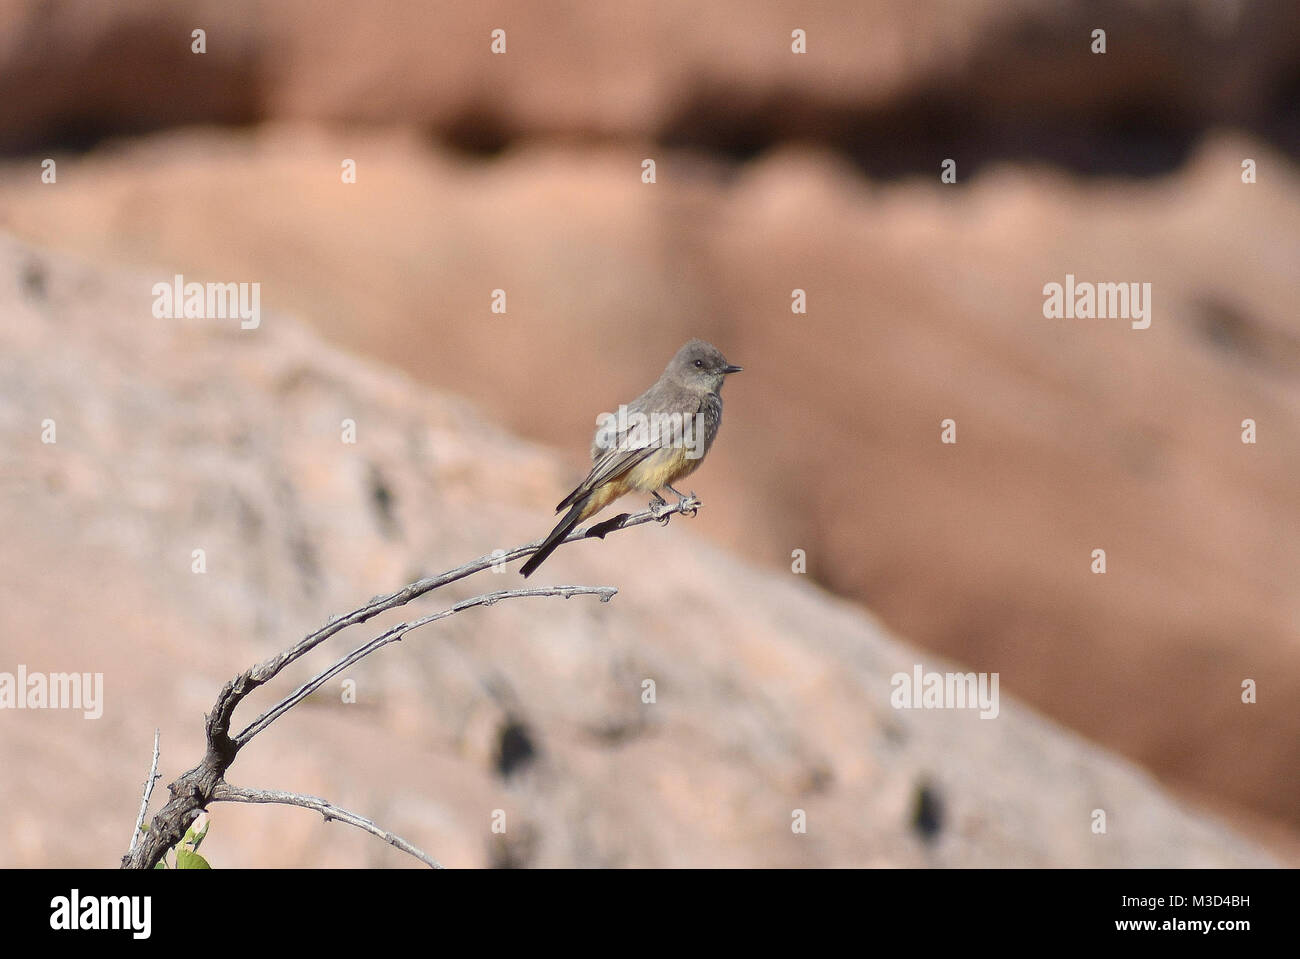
(658, 438)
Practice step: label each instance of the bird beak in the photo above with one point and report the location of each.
(732, 369)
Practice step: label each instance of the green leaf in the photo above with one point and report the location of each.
(187, 859)
(195, 838)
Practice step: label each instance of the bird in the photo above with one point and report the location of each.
(654, 441)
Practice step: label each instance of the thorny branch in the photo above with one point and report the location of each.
(148, 791)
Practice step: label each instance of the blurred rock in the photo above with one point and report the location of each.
(175, 435)
(925, 302)
(897, 85)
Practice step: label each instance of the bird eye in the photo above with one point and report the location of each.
(699, 363)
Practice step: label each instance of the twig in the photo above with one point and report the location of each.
(396, 634)
(264, 671)
(194, 789)
(225, 792)
(148, 791)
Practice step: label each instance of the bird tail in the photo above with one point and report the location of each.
(556, 537)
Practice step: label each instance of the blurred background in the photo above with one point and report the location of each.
(775, 171)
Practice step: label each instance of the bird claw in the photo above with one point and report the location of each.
(660, 511)
(689, 505)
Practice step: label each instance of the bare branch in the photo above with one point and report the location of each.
(265, 670)
(397, 633)
(148, 791)
(225, 792)
(194, 789)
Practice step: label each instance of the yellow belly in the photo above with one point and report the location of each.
(661, 468)
(654, 472)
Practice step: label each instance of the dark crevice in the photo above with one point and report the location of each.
(515, 749)
(927, 812)
(913, 136)
(381, 498)
(75, 105)
(476, 134)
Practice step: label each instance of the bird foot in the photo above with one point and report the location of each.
(659, 508)
(688, 505)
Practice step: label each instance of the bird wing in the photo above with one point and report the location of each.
(611, 464)
(630, 446)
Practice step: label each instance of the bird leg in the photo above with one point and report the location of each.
(657, 505)
(682, 500)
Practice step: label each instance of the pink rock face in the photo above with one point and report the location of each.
(770, 699)
(1072, 434)
(875, 78)
(523, 173)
